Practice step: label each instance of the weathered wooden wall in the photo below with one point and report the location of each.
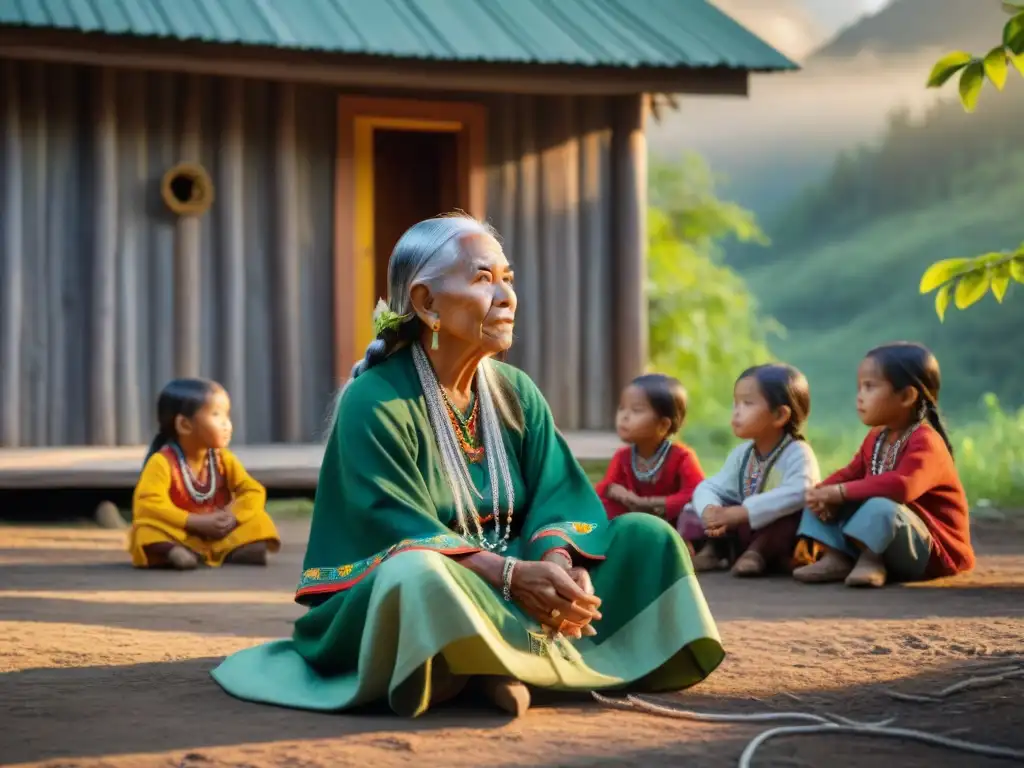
(567, 193)
(105, 296)
(95, 309)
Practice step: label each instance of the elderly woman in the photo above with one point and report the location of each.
(455, 540)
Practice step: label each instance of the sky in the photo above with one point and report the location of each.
(797, 27)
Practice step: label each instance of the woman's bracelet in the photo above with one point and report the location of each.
(506, 578)
(842, 492)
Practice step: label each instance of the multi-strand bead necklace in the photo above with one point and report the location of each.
(200, 493)
(885, 454)
(453, 457)
(467, 428)
(646, 470)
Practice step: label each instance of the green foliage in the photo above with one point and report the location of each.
(994, 65)
(704, 325)
(968, 280)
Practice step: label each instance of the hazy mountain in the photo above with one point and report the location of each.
(907, 26)
(792, 126)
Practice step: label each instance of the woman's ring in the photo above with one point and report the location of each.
(555, 613)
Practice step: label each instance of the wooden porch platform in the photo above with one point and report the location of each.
(281, 467)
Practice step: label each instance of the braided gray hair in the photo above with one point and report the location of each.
(423, 255)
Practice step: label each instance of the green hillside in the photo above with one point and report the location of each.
(847, 256)
(841, 297)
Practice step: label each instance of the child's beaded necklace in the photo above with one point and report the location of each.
(756, 467)
(200, 493)
(885, 454)
(651, 466)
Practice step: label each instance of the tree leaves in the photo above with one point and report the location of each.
(967, 281)
(971, 80)
(971, 288)
(1013, 34)
(704, 323)
(1001, 280)
(941, 272)
(995, 67)
(1017, 59)
(948, 66)
(1017, 267)
(974, 71)
(942, 301)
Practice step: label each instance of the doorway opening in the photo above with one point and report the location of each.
(399, 161)
(415, 177)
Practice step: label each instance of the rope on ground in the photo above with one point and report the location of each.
(834, 723)
(998, 676)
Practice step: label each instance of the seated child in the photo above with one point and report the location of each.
(751, 508)
(194, 501)
(654, 473)
(898, 511)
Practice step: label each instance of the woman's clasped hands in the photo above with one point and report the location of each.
(561, 599)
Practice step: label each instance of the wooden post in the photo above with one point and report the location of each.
(598, 288)
(11, 278)
(102, 360)
(289, 302)
(187, 271)
(233, 249)
(629, 147)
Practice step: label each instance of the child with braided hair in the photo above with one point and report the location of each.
(898, 510)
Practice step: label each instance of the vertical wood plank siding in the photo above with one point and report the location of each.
(105, 295)
(553, 180)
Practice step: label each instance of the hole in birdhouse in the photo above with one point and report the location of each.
(183, 188)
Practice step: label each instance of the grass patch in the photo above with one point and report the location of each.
(290, 509)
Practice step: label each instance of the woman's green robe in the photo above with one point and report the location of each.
(389, 597)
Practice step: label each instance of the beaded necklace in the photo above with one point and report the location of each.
(653, 465)
(453, 458)
(200, 493)
(756, 467)
(466, 428)
(883, 457)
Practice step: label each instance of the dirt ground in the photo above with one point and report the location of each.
(101, 665)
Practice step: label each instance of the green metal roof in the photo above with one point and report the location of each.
(611, 33)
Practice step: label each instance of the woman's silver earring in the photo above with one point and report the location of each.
(433, 338)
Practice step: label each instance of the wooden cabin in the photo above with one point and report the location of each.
(214, 189)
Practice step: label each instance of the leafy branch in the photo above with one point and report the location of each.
(966, 281)
(994, 65)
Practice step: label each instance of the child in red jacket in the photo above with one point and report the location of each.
(898, 511)
(654, 473)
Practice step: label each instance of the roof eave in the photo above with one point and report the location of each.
(346, 70)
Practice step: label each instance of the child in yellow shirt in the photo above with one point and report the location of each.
(194, 502)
